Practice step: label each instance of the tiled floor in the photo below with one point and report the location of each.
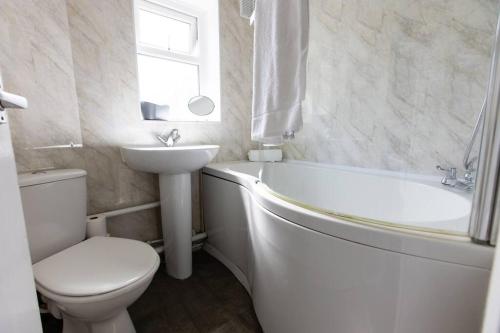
(211, 300)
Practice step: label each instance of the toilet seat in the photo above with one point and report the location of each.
(97, 266)
(97, 313)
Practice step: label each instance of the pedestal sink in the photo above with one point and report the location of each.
(174, 165)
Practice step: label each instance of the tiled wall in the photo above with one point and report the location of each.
(394, 84)
(101, 37)
(36, 61)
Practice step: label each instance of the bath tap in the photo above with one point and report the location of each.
(450, 178)
(171, 139)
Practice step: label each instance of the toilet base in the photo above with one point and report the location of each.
(118, 323)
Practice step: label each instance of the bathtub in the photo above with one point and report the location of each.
(328, 249)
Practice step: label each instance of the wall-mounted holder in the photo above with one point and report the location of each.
(265, 155)
(10, 101)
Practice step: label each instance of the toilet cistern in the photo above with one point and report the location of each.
(55, 209)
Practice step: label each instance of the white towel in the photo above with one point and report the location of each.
(280, 54)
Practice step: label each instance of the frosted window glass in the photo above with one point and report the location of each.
(165, 32)
(169, 82)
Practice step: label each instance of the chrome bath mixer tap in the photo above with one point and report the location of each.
(450, 178)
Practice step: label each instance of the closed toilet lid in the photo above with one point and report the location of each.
(96, 266)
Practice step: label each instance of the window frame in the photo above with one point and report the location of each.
(204, 49)
(189, 18)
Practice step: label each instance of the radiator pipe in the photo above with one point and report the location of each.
(196, 238)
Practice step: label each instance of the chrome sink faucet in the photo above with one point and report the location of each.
(171, 139)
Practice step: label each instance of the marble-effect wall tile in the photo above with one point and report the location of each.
(394, 84)
(143, 226)
(36, 62)
(104, 66)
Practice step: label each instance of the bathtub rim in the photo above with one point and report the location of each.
(441, 247)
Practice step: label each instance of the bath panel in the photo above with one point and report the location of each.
(310, 272)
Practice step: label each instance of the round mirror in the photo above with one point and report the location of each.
(201, 105)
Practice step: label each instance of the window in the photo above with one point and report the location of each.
(178, 55)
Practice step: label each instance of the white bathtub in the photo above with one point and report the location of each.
(325, 249)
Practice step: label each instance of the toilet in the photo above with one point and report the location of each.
(87, 283)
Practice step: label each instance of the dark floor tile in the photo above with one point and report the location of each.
(248, 319)
(231, 326)
(211, 300)
(50, 324)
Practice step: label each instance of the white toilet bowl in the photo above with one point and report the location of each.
(91, 284)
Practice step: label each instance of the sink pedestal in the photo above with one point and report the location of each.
(174, 165)
(176, 222)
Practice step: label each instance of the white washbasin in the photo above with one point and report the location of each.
(168, 160)
(174, 166)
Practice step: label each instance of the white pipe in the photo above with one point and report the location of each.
(160, 249)
(196, 238)
(199, 237)
(128, 210)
